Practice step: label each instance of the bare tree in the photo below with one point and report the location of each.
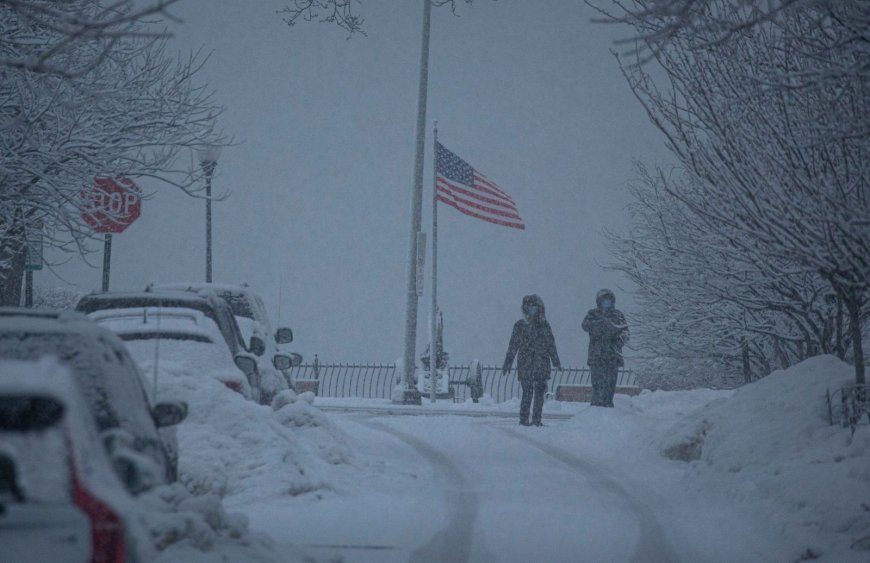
(127, 115)
(705, 301)
(337, 12)
(781, 153)
(64, 27)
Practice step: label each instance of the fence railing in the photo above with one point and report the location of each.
(376, 381)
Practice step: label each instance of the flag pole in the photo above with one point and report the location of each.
(433, 345)
(410, 395)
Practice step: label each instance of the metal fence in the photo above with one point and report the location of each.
(375, 381)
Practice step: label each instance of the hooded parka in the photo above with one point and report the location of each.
(532, 343)
(608, 332)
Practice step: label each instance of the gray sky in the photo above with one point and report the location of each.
(526, 92)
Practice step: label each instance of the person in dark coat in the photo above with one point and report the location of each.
(608, 333)
(533, 344)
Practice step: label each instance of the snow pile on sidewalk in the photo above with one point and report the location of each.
(775, 476)
(184, 527)
(770, 445)
(232, 446)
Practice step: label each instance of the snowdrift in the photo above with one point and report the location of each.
(770, 445)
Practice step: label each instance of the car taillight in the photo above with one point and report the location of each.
(234, 385)
(107, 531)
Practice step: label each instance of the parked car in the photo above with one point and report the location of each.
(108, 379)
(252, 318)
(264, 384)
(187, 340)
(60, 499)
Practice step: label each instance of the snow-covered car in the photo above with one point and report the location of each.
(164, 340)
(253, 320)
(262, 386)
(60, 499)
(109, 380)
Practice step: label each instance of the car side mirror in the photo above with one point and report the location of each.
(283, 335)
(287, 361)
(257, 347)
(135, 471)
(246, 364)
(282, 362)
(116, 439)
(169, 413)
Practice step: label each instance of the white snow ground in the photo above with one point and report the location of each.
(767, 479)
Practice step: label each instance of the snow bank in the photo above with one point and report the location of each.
(232, 446)
(185, 527)
(770, 445)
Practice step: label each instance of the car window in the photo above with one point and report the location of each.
(239, 304)
(228, 325)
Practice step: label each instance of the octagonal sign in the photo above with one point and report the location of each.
(111, 205)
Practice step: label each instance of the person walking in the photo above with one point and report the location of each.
(533, 345)
(608, 333)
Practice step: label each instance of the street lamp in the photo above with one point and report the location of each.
(208, 156)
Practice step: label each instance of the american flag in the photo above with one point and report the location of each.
(461, 186)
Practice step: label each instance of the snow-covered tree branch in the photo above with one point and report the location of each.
(128, 114)
(771, 129)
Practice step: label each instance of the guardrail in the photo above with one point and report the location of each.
(375, 381)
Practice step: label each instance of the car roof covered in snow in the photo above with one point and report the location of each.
(208, 303)
(127, 299)
(139, 323)
(46, 320)
(243, 300)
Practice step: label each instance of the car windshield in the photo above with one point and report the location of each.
(239, 303)
(182, 358)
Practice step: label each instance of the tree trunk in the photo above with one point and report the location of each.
(840, 348)
(854, 307)
(13, 255)
(747, 367)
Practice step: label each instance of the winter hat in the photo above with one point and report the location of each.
(604, 293)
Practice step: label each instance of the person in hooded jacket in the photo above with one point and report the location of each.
(608, 333)
(533, 344)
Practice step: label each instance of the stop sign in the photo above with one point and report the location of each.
(111, 205)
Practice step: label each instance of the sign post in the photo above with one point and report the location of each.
(33, 260)
(110, 206)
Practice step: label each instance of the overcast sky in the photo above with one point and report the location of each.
(320, 184)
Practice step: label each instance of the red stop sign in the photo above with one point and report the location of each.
(111, 205)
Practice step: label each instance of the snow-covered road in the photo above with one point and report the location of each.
(453, 488)
(755, 474)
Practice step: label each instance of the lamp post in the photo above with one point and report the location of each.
(208, 156)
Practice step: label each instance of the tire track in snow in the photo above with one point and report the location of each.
(652, 544)
(453, 543)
